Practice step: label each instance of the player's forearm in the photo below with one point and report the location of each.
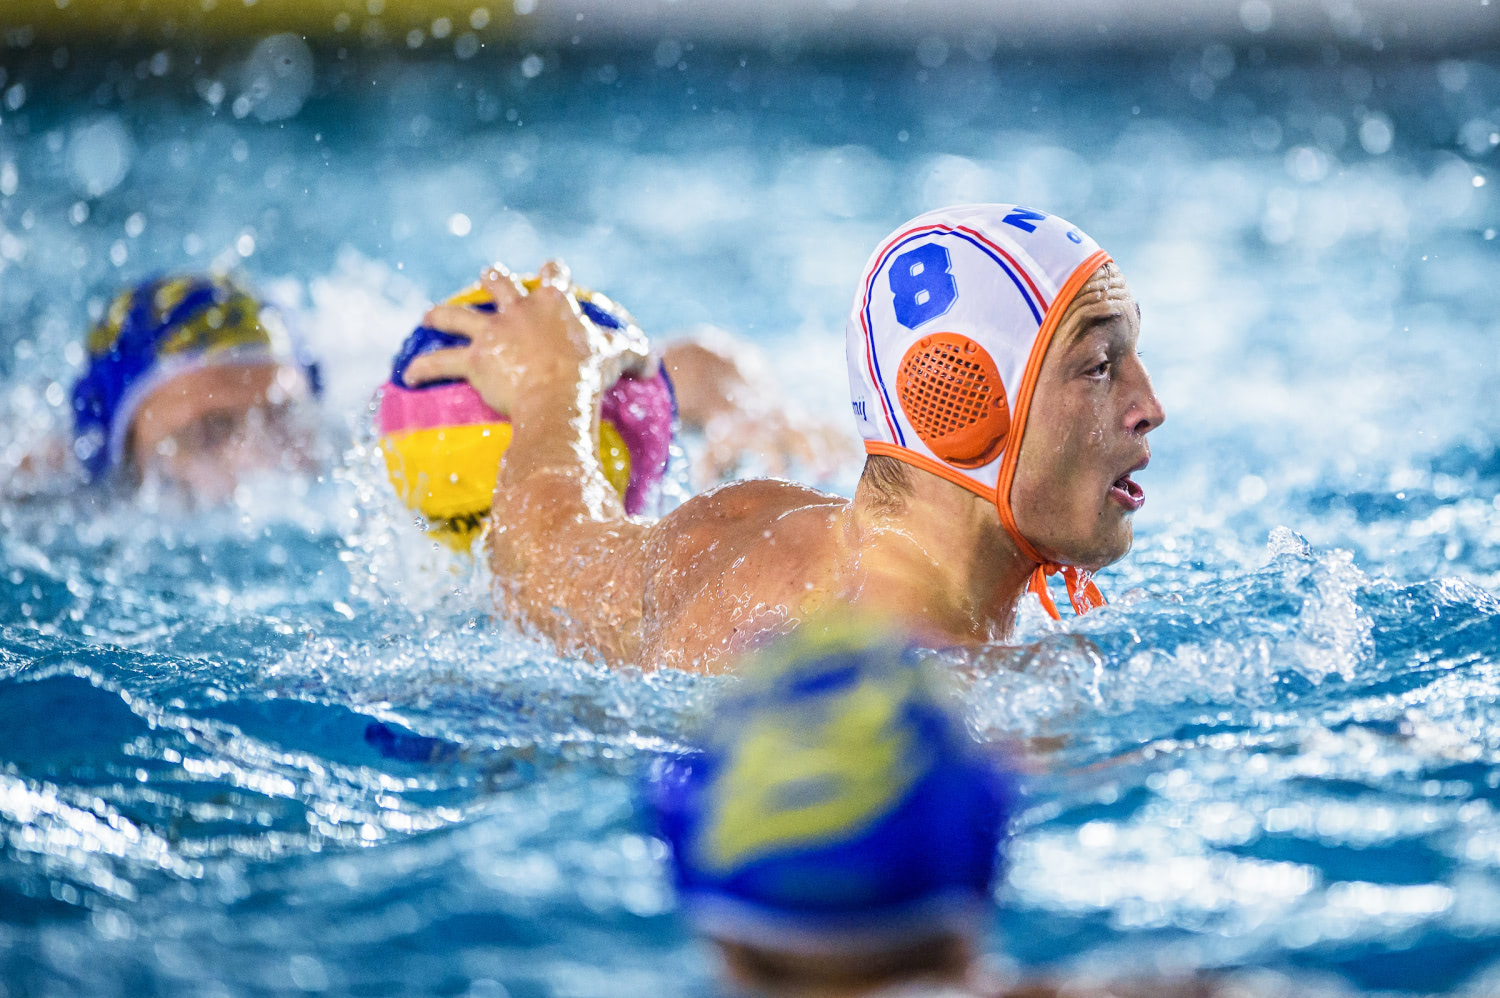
(562, 550)
(555, 428)
(565, 575)
(580, 584)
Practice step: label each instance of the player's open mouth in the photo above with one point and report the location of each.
(1127, 493)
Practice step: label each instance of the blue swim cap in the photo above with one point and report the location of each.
(838, 803)
(157, 330)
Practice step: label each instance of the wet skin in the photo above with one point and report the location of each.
(204, 430)
(746, 561)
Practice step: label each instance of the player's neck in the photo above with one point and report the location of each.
(943, 558)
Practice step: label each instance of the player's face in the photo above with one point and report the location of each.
(1074, 495)
(204, 430)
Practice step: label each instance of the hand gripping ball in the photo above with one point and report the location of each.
(443, 444)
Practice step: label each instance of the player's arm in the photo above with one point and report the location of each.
(725, 391)
(559, 536)
(568, 562)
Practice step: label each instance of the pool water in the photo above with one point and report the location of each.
(1278, 748)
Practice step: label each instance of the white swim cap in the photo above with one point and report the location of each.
(946, 339)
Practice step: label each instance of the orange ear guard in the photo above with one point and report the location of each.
(951, 392)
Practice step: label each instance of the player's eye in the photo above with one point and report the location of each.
(211, 432)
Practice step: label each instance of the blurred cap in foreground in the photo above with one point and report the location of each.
(837, 804)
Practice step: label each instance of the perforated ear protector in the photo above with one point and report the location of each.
(958, 308)
(951, 392)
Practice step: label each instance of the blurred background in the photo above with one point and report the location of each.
(833, 23)
(1281, 747)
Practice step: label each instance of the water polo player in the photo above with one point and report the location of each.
(194, 382)
(994, 377)
(837, 830)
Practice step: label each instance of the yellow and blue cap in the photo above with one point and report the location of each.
(838, 803)
(158, 330)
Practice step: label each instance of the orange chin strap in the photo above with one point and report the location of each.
(1082, 592)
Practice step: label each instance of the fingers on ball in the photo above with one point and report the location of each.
(438, 365)
(459, 319)
(504, 286)
(555, 274)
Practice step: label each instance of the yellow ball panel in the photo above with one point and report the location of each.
(446, 471)
(614, 456)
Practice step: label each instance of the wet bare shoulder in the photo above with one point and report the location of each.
(711, 530)
(733, 556)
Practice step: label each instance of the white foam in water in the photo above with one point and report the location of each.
(1277, 747)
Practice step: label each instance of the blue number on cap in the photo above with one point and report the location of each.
(1025, 219)
(923, 287)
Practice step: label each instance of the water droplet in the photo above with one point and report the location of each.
(277, 77)
(1376, 134)
(668, 52)
(1256, 16)
(932, 52)
(99, 155)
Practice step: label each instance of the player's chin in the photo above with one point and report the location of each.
(1107, 546)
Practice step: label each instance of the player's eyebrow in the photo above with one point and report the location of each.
(1088, 325)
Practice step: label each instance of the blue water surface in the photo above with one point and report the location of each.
(1278, 748)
